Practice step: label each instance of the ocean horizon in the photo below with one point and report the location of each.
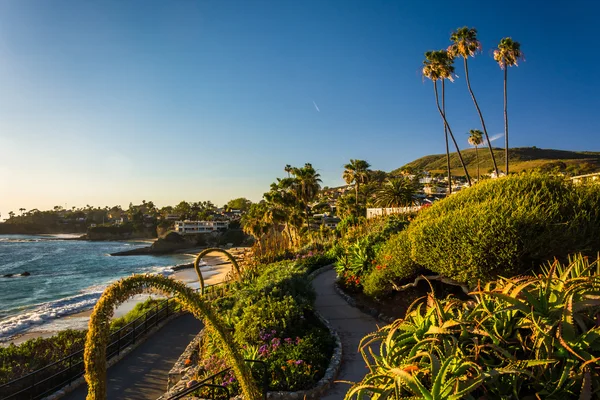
(66, 277)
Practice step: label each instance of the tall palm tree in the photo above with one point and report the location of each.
(446, 137)
(307, 184)
(396, 192)
(476, 139)
(507, 55)
(438, 66)
(356, 172)
(22, 210)
(465, 45)
(288, 169)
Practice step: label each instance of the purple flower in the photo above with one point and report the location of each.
(298, 362)
(298, 340)
(288, 340)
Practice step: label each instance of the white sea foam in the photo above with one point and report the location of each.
(47, 313)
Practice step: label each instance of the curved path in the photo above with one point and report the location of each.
(143, 373)
(351, 324)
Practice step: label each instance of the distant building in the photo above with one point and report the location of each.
(172, 217)
(588, 178)
(189, 227)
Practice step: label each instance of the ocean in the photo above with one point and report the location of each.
(66, 276)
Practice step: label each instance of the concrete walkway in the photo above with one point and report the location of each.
(143, 374)
(351, 324)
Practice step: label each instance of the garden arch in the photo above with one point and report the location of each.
(94, 356)
(213, 250)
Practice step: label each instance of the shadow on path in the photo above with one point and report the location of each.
(143, 373)
(351, 324)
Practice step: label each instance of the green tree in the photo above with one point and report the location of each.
(476, 140)
(507, 55)
(397, 192)
(465, 45)
(241, 203)
(356, 172)
(438, 66)
(307, 183)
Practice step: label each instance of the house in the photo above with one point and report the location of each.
(378, 212)
(191, 227)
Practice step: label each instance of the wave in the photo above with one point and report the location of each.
(18, 264)
(47, 312)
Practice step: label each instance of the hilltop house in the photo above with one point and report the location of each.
(190, 227)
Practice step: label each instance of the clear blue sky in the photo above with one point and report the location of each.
(108, 102)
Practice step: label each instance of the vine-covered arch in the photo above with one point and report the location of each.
(99, 330)
(213, 250)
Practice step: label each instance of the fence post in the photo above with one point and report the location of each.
(119, 343)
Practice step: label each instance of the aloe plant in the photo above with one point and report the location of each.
(523, 337)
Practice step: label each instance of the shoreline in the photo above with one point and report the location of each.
(213, 271)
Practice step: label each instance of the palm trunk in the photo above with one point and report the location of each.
(446, 135)
(487, 138)
(505, 121)
(477, 158)
(462, 162)
(356, 184)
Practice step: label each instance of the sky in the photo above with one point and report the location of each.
(112, 102)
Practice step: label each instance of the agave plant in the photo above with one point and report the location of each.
(527, 337)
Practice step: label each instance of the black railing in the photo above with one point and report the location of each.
(213, 388)
(52, 377)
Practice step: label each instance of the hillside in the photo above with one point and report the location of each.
(520, 159)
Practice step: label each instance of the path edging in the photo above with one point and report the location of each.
(366, 309)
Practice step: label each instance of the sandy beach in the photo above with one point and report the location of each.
(214, 271)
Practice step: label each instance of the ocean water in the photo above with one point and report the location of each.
(67, 276)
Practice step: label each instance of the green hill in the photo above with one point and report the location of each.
(520, 159)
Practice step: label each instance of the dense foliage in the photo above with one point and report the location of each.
(506, 226)
(523, 338)
(272, 319)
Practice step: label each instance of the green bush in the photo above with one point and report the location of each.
(393, 264)
(506, 226)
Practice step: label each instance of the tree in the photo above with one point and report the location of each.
(307, 183)
(476, 139)
(22, 210)
(465, 44)
(11, 215)
(507, 55)
(288, 169)
(356, 172)
(241, 203)
(396, 192)
(438, 66)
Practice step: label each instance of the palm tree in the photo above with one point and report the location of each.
(396, 192)
(476, 139)
(465, 44)
(356, 172)
(507, 54)
(288, 169)
(307, 184)
(22, 210)
(438, 66)
(446, 137)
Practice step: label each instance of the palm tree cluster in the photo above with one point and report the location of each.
(439, 66)
(286, 207)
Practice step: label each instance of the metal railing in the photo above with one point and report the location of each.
(212, 386)
(52, 377)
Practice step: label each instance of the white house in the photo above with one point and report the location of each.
(378, 212)
(188, 227)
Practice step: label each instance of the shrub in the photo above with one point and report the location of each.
(505, 227)
(393, 264)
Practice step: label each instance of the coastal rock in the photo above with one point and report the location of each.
(26, 273)
(8, 275)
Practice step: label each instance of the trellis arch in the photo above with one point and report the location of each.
(213, 250)
(94, 356)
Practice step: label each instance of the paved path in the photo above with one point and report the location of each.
(143, 373)
(351, 324)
